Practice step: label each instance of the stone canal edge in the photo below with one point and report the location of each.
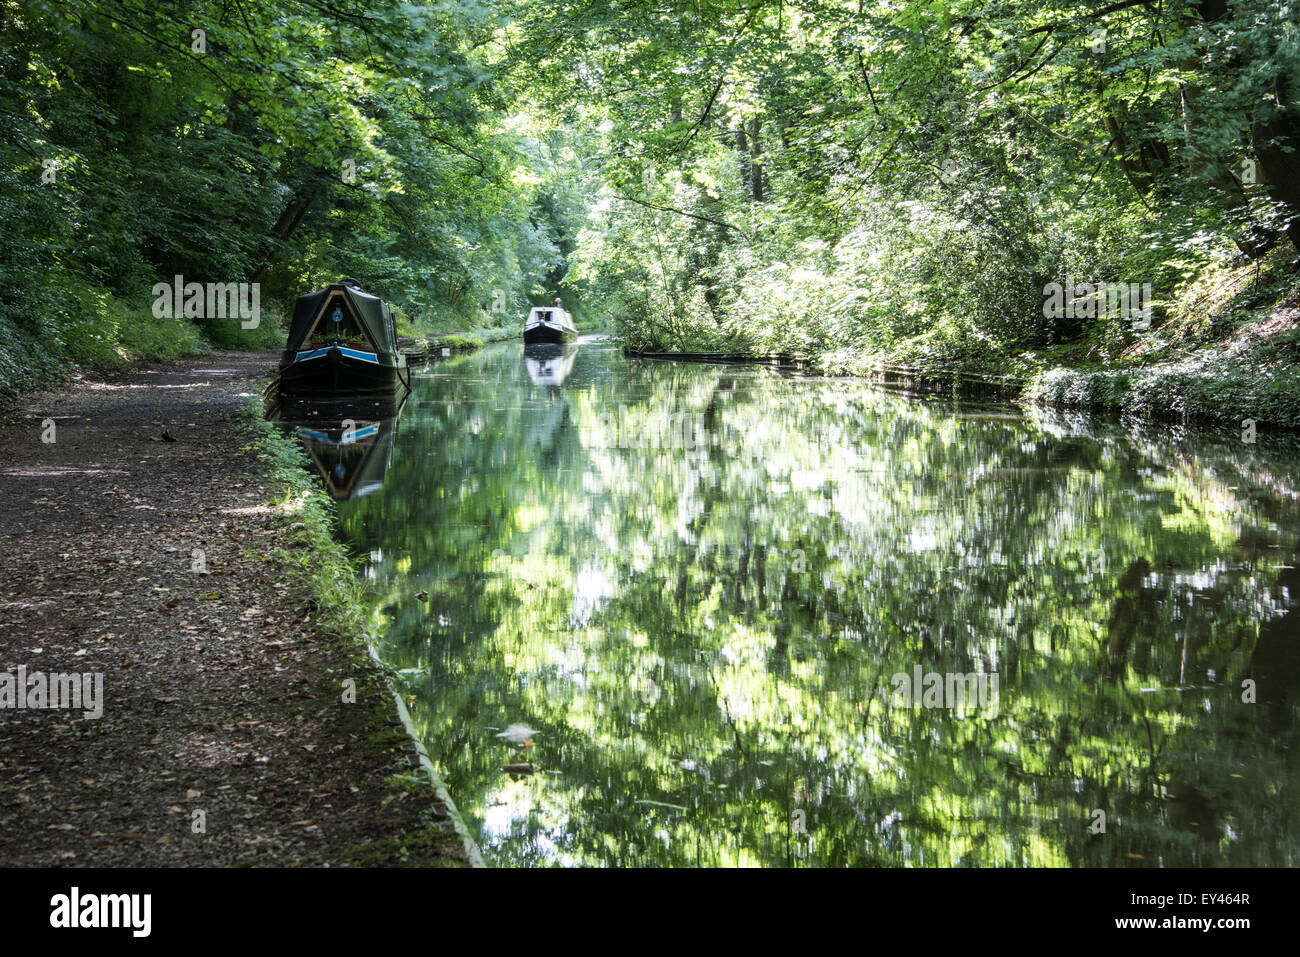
(149, 542)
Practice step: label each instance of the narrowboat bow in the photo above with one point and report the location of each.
(549, 324)
(342, 340)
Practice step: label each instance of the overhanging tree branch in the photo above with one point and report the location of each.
(682, 212)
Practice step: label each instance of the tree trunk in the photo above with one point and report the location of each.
(1277, 146)
(1142, 167)
(746, 168)
(284, 227)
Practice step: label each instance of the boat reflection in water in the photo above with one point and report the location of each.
(550, 363)
(349, 442)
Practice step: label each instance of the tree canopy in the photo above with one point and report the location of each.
(832, 176)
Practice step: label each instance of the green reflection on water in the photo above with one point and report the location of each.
(704, 637)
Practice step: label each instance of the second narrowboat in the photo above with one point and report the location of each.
(549, 324)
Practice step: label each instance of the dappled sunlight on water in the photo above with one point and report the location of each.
(697, 584)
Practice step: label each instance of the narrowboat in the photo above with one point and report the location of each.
(549, 324)
(342, 341)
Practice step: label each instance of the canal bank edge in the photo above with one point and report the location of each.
(472, 853)
(149, 546)
(1212, 390)
(338, 589)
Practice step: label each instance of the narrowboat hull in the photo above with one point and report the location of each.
(338, 369)
(549, 332)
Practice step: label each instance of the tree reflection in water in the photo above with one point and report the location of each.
(703, 633)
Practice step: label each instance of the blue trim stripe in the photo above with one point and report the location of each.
(350, 353)
(359, 354)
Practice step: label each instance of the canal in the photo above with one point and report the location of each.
(748, 618)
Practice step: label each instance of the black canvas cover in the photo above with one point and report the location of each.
(344, 312)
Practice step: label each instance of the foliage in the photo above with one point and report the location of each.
(286, 143)
(833, 178)
(884, 178)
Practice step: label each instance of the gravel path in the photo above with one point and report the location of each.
(219, 697)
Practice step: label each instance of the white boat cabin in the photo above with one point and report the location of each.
(552, 316)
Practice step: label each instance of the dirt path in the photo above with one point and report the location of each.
(216, 697)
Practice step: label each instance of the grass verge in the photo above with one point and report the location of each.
(91, 329)
(323, 565)
(314, 557)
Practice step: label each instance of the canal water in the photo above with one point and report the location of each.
(747, 618)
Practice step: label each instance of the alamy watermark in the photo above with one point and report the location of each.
(1130, 301)
(617, 430)
(949, 690)
(38, 691)
(75, 909)
(214, 300)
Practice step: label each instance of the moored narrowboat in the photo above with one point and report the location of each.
(342, 340)
(549, 324)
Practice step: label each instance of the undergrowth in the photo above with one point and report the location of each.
(319, 562)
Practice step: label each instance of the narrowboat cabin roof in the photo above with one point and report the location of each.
(341, 310)
(549, 313)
